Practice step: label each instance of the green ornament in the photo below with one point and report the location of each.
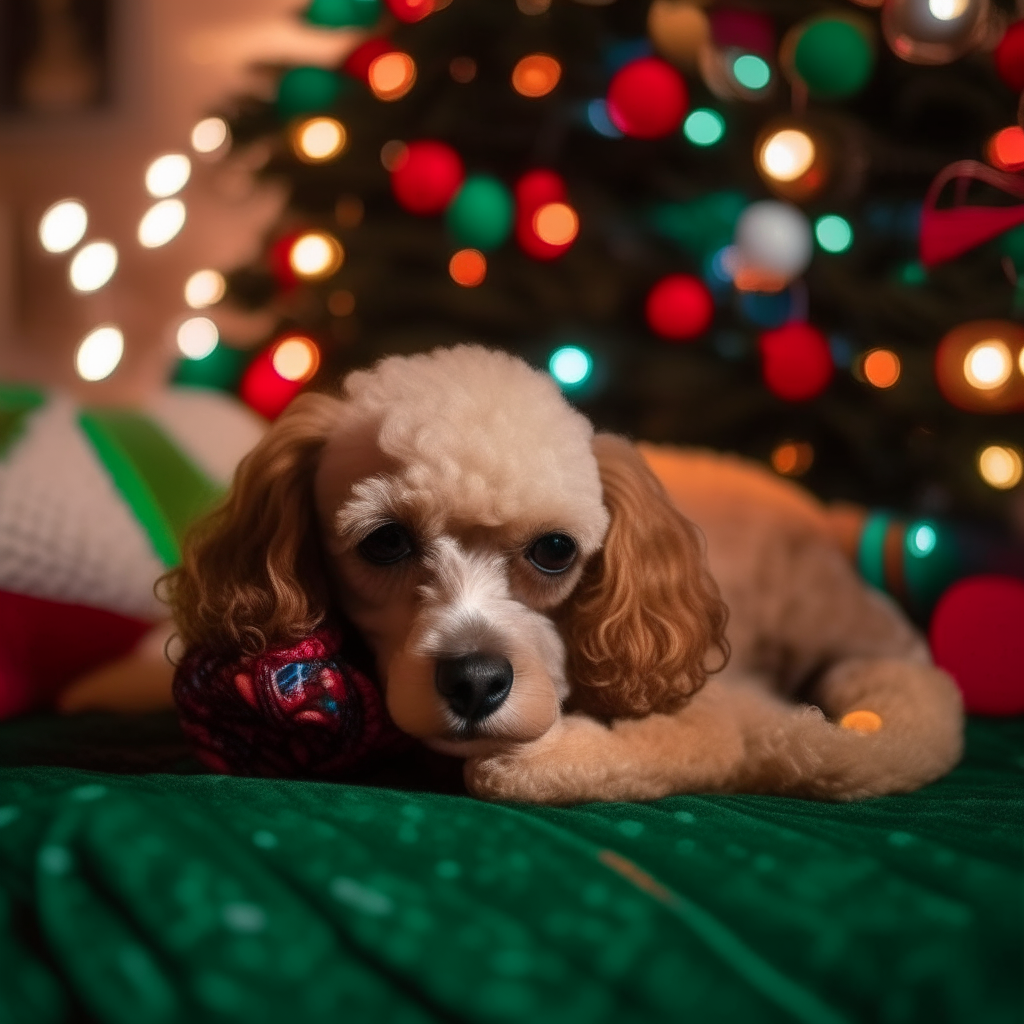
(307, 91)
(480, 215)
(834, 58)
(343, 13)
(222, 368)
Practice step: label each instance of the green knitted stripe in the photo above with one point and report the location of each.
(871, 552)
(164, 488)
(17, 403)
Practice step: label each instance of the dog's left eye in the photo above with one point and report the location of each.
(552, 553)
(386, 545)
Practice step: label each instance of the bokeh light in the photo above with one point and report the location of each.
(1006, 149)
(1000, 466)
(63, 226)
(704, 127)
(833, 233)
(468, 267)
(597, 115)
(751, 71)
(570, 365)
(921, 539)
(319, 140)
(209, 134)
(93, 266)
(99, 352)
(393, 154)
(556, 223)
(168, 175)
(787, 154)
(462, 70)
(947, 10)
(881, 368)
(197, 337)
(536, 75)
(391, 75)
(988, 364)
(296, 358)
(161, 223)
(315, 255)
(205, 288)
(792, 458)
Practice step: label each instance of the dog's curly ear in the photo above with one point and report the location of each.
(647, 614)
(252, 573)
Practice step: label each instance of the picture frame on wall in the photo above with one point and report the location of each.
(55, 57)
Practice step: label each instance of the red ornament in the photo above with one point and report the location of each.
(1009, 57)
(427, 176)
(535, 189)
(280, 263)
(647, 98)
(976, 637)
(410, 10)
(357, 63)
(796, 361)
(680, 307)
(263, 389)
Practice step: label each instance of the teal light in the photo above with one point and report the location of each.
(834, 233)
(921, 540)
(751, 71)
(704, 127)
(570, 365)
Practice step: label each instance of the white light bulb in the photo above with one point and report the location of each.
(205, 288)
(99, 352)
(63, 226)
(167, 175)
(197, 337)
(209, 134)
(161, 223)
(947, 10)
(988, 365)
(787, 155)
(93, 266)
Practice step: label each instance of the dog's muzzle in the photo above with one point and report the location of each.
(475, 685)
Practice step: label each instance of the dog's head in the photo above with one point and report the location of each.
(500, 560)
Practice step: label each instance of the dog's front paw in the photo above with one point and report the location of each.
(514, 775)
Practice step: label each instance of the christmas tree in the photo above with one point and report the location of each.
(705, 221)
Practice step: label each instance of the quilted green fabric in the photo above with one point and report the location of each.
(168, 897)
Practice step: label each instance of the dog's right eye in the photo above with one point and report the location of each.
(553, 553)
(386, 545)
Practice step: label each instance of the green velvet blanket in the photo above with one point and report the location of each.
(138, 895)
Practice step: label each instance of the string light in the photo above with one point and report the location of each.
(99, 352)
(209, 134)
(161, 223)
(787, 155)
(752, 72)
(315, 255)
(833, 233)
(570, 365)
(988, 365)
(792, 458)
(93, 266)
(205, 288)
(1020, 360)
(319, 140)
(1000, 467)
(536, 75)
(947, 10)
(63, 226)
(391, 75)
(197, 337)
(296, 358)
(704, 127)
(881, 368)
(1006, 149)
(462, 70)
(468, 267)
(168, 175)
(921, 540)
(556, 223)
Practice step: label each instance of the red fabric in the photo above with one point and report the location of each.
(44, 645)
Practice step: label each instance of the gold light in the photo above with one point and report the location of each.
(792, 458)
(536, 75)
(881, 368)
(315, 255)
(167, 175)
(1000, 467)
(205, 288)
(99, 352)
(319, 140)
(197, 337)
(556, 223)
(209, 134)
(988, 365)
(161, 223)
(63, 226)
(391, 75)
(296, 358)
(93, 266)
(787, 154)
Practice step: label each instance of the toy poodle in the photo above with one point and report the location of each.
(578, 617)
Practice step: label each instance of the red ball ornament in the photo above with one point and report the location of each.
(647, 99)
(410, 11)
(278, 256)
(796, 361)
(427, 176)
(976, 637)
(680, 307)
(263, 389)
(1009, 57)
(534, 190)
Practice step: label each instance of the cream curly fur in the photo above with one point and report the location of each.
(620, 687)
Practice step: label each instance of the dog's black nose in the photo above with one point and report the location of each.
(475, 685)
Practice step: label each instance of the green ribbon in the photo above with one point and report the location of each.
(17, 403)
